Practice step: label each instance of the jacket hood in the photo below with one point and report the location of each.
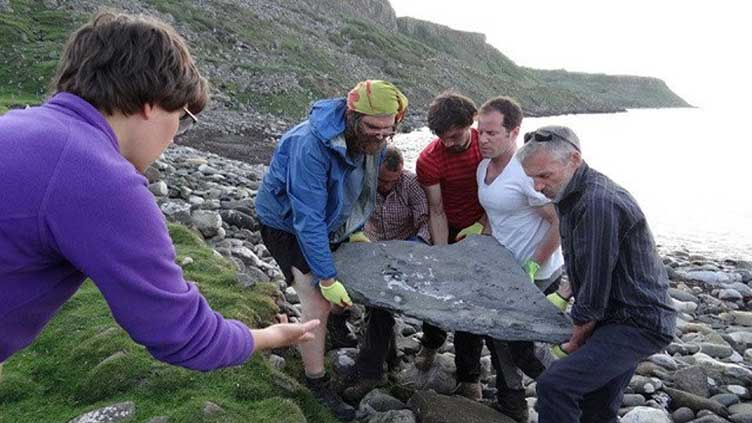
(327, 118)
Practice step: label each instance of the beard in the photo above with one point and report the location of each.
(457, 149)
(358, 142)
(563, 187)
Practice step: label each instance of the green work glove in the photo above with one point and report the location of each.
(558, 351)
(474, 229)
(359, 237)
(336, 294)
(531, 267)
(558, 301)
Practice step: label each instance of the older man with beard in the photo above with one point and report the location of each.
(622, 311)
(319, 191)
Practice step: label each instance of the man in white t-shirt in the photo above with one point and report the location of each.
(524, 221)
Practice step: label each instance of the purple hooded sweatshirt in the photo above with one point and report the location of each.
(70, 207)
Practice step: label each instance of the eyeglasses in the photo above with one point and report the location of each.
(375, 131)
(540, 136)
(186, 122)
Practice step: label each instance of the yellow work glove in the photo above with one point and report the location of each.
(336, 294)
(474, 229)
(359, 237)
(558, 352)
(558, 301)
(531, 267)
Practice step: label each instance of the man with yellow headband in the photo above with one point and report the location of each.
(320, 190)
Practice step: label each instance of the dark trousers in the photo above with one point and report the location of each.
(467, 350)
(588, 386)
(514, 359)
(379, 344)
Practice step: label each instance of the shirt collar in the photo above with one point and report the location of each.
(577, 182)
(85, 111)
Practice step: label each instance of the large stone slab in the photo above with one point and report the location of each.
(474, 286)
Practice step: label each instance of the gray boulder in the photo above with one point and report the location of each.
(431, 407)
(393, 416)
(693, 380)
(646, 415)
(110, 414)
(695, 402)
(207, 222)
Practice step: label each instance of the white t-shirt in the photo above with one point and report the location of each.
(510, 202)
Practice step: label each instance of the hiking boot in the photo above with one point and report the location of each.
(512, 404)
(471, 390)
(424, 359)
(339, 334)
(354, 393)
(322, 391)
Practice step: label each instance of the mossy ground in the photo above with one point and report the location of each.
(63, 373)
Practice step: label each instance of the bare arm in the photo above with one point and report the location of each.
(486, 225)
(551, 241)
(419, 207)
(283, 334)
(436, 216)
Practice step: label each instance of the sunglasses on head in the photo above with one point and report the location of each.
(186, 122)
(545, 136)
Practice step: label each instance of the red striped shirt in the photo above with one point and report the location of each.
(455, 173)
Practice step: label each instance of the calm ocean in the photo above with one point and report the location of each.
(687, 168)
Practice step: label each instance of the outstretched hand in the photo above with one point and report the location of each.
(284, 334)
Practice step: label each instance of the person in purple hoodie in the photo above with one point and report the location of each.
(75, 204)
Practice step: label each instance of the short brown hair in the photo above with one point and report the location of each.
(508, 107)
(393, 160)
(450, 110)
(120, 62)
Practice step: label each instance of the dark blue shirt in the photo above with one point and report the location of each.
(616, 273)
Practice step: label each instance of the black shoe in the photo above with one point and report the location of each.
(321, 389)
(338, 334)
(356, 391)
(512, 404)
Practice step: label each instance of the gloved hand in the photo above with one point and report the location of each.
(531, 267)
(558, 301)
(336, 294)
(474, 229)
(359, 237)
(558, 352)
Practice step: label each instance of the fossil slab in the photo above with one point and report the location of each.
(474, 286)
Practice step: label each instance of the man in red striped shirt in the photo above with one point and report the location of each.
(446, 170)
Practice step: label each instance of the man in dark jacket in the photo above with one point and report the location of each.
(622, 311)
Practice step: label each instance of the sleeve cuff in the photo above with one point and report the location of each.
(582, 314)
(249, 346)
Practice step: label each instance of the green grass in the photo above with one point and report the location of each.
(83, 361)
(242, 49)
(30, 46)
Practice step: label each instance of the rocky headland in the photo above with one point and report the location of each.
(267, 60)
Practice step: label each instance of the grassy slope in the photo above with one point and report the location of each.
(30, 45)
(58, 377)
(238, 49)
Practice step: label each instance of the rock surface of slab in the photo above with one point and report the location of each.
(474, 286)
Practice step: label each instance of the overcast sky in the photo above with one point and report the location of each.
(701, 49)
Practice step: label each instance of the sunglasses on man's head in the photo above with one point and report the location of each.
(545, 136)
(186, 122)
